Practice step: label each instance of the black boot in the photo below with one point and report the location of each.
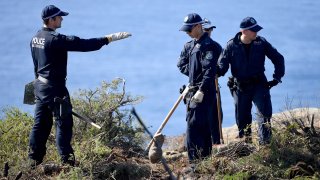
(68, 160)
(33, 163)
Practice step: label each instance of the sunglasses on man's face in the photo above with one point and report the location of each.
(192, 28)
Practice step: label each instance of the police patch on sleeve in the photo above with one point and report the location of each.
(209, 55)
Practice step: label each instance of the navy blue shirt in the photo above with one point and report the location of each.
(245, 66)
(198, 60)
(49, 51)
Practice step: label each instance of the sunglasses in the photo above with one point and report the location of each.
(192, 28)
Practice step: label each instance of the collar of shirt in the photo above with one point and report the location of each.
(47, 29)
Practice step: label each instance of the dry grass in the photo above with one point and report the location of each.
(294, 151)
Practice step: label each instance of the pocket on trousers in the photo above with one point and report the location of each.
(43, 91)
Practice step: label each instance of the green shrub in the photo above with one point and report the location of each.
(14, 135)
(106, 106)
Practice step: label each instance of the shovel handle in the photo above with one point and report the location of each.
(166, 119)
(219, 109)
(86, 120)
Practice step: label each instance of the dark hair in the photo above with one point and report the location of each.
(46, 21)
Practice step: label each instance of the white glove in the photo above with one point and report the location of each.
(198, 97)
(117, 36)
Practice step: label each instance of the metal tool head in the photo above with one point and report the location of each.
(29, 97)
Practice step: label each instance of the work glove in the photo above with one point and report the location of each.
(117, 36)
(182, 89)
(198, 97)
(272, 83)
(230, 82)
(185, 91)
(218, 74)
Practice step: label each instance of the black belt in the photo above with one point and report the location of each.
(251, 80)
(46, 81)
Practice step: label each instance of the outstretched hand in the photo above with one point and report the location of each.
(118, 36)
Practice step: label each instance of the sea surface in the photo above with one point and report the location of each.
(147, 60)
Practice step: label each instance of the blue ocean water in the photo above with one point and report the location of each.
(147, 60)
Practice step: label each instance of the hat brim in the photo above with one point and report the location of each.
(62, 13)
(256, 28)
(186, 28)
(208, 27)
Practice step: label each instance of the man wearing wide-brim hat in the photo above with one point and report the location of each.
(207, 26)
(197, 61)
(245, 54)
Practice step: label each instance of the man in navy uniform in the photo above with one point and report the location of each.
(245, 54)
(208, 28)
(197, 61)
(49, 51)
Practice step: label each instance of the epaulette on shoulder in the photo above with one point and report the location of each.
(54, 33)
(230, 40)
(261, 38)
(189, 42)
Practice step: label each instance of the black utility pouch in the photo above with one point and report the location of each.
(29, 97)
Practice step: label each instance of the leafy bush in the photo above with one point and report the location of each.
(106, 106)
(14, 135)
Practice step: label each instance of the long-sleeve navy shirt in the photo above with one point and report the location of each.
(242, 66)
(49, 51)
(198, 60)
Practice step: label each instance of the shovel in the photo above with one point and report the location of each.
(63, 102)
(219, 109)
(169, 115)
(163, 160)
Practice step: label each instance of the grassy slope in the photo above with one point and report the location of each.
(292, 153)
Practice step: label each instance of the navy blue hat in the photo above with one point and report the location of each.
(190, 20)
(207, 24)
(251, 24)
(52, 11)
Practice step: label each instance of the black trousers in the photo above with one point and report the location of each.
(199, 127)
(258, 94)
(46, 109)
